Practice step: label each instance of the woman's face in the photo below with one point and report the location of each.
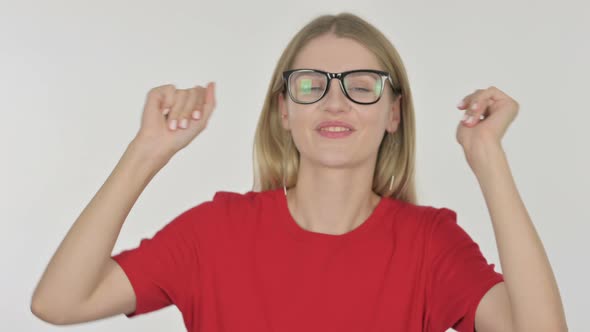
(369, 122)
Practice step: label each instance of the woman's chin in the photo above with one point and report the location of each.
(335, 161)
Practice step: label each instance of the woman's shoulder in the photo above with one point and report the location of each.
(244, 199)
(420, 214)
(222, 208)
(226, 203)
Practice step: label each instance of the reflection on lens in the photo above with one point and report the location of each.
(361, 87)
(307, 87)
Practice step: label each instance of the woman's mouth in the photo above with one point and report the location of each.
(335, 132)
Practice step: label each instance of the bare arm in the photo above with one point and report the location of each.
(530, 289)
(82, 262)
(528, 299)
(82, 282)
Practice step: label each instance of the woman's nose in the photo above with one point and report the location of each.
(335, 97)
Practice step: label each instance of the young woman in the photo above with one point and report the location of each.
(331, 238)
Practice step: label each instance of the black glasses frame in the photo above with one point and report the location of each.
(340, 76)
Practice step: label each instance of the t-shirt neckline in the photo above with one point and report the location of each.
(302, 234)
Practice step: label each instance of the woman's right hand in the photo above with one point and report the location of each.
(166, 111)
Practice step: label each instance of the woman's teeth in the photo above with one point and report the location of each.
(334, 129)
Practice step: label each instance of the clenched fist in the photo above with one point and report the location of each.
(173, 117)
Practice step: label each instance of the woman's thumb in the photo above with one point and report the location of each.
(210, 98)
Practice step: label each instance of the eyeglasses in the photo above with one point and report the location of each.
(362, 86)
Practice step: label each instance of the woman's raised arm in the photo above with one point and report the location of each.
(82, 282)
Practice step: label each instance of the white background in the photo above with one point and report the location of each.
(74, 76)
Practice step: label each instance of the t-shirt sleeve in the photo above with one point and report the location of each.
(459, 275)
(162, 269)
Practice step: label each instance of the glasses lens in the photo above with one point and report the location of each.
(307, 87)
(363, 87)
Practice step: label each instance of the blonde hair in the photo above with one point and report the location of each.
(273, 155)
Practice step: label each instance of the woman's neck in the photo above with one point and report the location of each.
(332, 201)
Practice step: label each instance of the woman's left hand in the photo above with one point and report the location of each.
(498, 111)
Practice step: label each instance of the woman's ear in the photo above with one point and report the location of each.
(283, 111)
(394, 116)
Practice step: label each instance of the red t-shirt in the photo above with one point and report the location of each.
(240, 262)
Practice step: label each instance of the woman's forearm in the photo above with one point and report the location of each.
(535, 300)
(75, 268)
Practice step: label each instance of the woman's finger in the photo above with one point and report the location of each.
(210, 101)
(180, 97)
